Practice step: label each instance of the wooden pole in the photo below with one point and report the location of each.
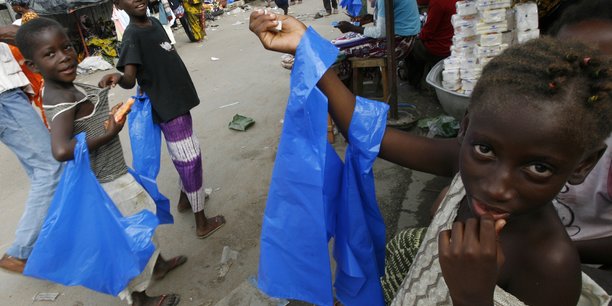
(78, 22)
(391, 65)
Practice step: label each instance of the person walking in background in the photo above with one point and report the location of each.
(196, 19)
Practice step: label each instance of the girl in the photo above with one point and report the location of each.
(496, 238)
(73, 109)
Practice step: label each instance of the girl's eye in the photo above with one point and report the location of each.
(540, 170)
(68, 47)
(484, 151)
(50, 54)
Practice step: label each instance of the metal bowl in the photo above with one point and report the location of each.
(453, 103)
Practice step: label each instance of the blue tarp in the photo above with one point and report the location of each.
(352, 6)
(314, 196)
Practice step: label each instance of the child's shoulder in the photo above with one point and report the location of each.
(543, 249)
(53, 96)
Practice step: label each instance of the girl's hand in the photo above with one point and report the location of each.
(110, 80)
(471, 259)
(286, 40)
(113, 127)
(345, 26)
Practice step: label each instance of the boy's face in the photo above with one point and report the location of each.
(133, 7)
(515, 163)
(54, 57)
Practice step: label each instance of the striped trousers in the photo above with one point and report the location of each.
(186, 155)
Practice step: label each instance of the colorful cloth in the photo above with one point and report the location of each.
(36, 81)
(186, 155)
(195, 15)
(378, 48)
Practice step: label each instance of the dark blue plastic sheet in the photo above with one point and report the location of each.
(352, 6)
(145, 140)
(314, 196)
(85, 240)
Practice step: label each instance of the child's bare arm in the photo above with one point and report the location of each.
(415, 152)
(63, 142)
(126, 80)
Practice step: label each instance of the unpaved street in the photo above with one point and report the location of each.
(246, 80)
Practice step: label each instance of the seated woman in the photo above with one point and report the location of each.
(407, 26)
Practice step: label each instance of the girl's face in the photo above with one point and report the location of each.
(54, 57)
(515, 163)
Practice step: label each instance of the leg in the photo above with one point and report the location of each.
(163, 267)
(185, 152)
(22, 130)
(327, 6)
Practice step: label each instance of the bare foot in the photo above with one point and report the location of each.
(163, 267)
(142, 299)
(207, 226)
(183, 203)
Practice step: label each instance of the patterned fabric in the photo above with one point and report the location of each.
(107, 161)
(36, 81)
(377, 48)
(195, 18)
(401, 251)
(424, 285)
(28, 16)
(186, 155)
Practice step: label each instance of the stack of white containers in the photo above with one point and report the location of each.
(483, 29)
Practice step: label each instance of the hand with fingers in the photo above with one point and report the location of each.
(286, 40)
(111, 125)
(111, 80)
(345, 26)
(471, 259)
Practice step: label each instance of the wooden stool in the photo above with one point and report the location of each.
(357, 63)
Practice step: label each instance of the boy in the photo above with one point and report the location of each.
(147, 56)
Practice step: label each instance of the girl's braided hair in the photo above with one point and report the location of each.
(548, 72)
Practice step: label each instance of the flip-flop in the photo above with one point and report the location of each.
(12, 264)
(173, 263)
(214, 229)
(164, 296)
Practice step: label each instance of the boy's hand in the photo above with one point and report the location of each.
(286, 41)
(110, 80)
(113, 127)
(471, 259)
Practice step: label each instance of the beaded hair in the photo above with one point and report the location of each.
(547, 72)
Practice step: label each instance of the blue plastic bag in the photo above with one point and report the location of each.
(145, 140)
(314, 196)
(352, 6)
(85, 240)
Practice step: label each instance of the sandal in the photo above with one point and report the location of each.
(12, 264)
(220, 220)
(163, 297)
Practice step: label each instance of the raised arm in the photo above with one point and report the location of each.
(435, 156)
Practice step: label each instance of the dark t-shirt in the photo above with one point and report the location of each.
(161, 72)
